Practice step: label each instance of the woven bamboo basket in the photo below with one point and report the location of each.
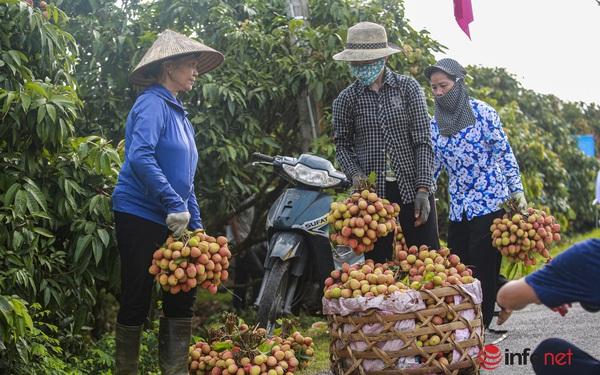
(345, 361)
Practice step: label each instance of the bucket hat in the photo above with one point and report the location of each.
(366, 41)
(171, 44)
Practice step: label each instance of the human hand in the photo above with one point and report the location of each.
(503, 316)
(519, 198)
(422, 207)
(359, 181)
(562, 309)
(177, 222)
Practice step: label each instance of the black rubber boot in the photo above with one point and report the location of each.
(173, 345)
(127, 351)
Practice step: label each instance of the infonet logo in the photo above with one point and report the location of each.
(490, 357)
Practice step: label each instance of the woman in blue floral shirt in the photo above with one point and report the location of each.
(469, 142)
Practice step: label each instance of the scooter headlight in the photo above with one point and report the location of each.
(309, 176)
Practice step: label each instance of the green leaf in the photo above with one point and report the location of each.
(104, 237)
(25, 102)
(10, 193)
(35, 192)
(47, 295)
(43, 232)
(10, 97)
(39, 89)
(41, 113)
(265, 347)
(82, 244)
(51, 112)
(220, 346)
(21, 202)
(372, 177)
(17, 240)
(6, 309)
(16, 56)
(97, 250)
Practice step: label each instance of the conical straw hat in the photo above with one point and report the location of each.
(366, 41)
(171, 44)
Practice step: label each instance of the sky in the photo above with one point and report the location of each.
(551, 46)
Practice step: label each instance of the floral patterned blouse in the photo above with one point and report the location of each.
(482, 169)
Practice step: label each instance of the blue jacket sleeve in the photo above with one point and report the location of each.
(438, 166)
(495, 135)
(194, 209)
(147, 128)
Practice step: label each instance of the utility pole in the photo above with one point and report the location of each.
(298, 9)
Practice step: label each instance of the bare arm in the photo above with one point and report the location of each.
(515, 295)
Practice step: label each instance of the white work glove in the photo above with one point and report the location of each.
(519, 198)
(177, 222)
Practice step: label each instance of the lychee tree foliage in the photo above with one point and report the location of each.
(55, 247)
(249, 103)
(541, 130)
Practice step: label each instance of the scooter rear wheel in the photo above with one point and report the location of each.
(271, 304)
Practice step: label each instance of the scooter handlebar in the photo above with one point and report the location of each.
(262, 157)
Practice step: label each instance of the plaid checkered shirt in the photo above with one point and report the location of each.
(367, 125)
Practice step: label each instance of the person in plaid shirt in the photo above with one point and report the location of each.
(381, 125)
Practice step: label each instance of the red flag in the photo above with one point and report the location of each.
(463, 12)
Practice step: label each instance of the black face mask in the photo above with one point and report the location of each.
(453, 110)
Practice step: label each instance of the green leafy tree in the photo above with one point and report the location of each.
(55, 242)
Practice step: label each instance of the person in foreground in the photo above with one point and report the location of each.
(155, 194)
(570, 277)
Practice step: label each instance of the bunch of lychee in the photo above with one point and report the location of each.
(400, 244)
(282, 358)
(520, 237)
(359, 220)
(196, 259)
(302, 347)
(431, 269)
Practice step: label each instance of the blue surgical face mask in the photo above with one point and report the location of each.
(367, 73)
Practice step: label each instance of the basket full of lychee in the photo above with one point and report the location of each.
(436, 277)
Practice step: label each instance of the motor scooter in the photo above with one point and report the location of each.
(299, 255)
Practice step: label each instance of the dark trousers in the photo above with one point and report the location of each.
(425, 234)
(548, 360)
(472, 242)
(137, 239)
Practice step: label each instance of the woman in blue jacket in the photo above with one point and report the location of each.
(155, 194)
(469, 142)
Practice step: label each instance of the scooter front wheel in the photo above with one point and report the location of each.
(271, 304)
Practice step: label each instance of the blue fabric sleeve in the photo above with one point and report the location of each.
(505, 157)
(570, 277)
(147, 129)
(194, 209)
(438, 166)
